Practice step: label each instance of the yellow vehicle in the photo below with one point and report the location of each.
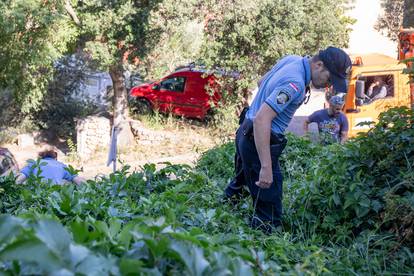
(367, 70)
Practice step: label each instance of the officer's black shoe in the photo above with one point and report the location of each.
(233, 200)
(265, 226)
(232, 195)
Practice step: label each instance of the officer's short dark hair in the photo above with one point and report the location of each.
(316, 58)
(48, 153)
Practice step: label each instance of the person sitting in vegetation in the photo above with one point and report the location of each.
(332, 123)
(49, 169)
(8, 163)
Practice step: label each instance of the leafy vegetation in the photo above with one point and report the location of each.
(153, 38)
(34, 35)
(65, 99)
(367, 181)
(408, 20)
(391, 21)
(348, 210)
(249, 36)
(396, 14)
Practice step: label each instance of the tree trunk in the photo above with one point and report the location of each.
(408, 21)
(69, 9)
(120, 106)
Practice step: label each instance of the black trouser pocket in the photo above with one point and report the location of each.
(276, 150)
(267, 195)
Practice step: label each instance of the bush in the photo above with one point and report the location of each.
(340, 191)
(64, 101)
(59, 107)
(344, 203)
(368, 182)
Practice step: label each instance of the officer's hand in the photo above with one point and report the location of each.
(265, 178)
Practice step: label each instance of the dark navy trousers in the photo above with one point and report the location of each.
(267, 202)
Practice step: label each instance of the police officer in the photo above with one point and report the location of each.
(260, 139)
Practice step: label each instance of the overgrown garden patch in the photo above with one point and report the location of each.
(348, 210)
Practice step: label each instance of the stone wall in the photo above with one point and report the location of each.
(93, 133)
(146, 136)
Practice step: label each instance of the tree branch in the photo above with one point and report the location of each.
(71, 12)
(408, 21)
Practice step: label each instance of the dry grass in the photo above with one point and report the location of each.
(183, 143)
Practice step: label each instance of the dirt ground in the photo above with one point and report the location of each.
(182, 146)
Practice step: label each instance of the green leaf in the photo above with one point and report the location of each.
(9, 227)
(157, 246)
(97, 265)
(78, 254)
(31, 250)
(192, 257)
(79, 231)
(240, 268)
(336, 199)
(54, 236)
(130, 266)
(376, 205)
(62, 272)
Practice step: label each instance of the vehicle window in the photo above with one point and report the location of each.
(386, 81)
(7, 162)
(175, 84)
(376, 87)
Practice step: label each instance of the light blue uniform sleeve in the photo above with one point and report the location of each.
(28, 169)
(282, 97)
(67, 175)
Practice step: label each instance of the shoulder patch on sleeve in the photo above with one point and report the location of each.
(282, 97)
(294, 86)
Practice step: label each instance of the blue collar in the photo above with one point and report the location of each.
(48, 158)
(306, 66)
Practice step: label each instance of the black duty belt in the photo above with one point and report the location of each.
(247, 128)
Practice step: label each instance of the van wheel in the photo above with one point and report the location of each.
(142, 106)
(209, 117)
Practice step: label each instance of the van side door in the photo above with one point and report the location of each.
(194, 98)
(171, 91)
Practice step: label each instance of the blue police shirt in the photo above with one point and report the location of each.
(51, 169)
(283, 89)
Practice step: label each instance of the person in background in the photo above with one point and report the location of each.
(377, 90)
(8, 163)
(332, 122)
(50, 169)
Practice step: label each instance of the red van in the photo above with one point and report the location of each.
(186, 92)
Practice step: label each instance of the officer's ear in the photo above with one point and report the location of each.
(319, 65)
(316, 64)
